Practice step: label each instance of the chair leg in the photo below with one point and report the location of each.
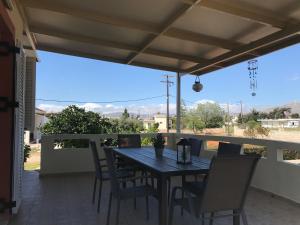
(94, 190)
(182, 192)
(171, 210)
(143, 173)
(118, 211)
(211, 220)
(134, 200)
(169, 190)
(244, 218)
(147, 207)
(182, 196)
(109, 209)
(152, 182)
(99, 197)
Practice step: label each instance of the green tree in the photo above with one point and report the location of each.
(75, 120)
(152, 129)
(254, 129)
(194, 122)
(125, 114)
(211, 114)
(279, 113)
(295, 116)
(129, 125)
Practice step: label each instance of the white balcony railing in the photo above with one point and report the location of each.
(273, 174)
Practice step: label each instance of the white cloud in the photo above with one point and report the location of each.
(51, 108)
(203, 101)
(110, 108)
(141, 109)
(295, 77)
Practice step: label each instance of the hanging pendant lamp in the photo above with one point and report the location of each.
(197, 86)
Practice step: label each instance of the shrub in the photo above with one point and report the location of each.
(27, 150)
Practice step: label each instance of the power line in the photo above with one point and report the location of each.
(184, 100)
(99, 102)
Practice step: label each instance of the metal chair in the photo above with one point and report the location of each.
(224, 149)
(229, 149)
(225, 189)
(120, 192)
(196, 146)
(129, 141)
(101, 175)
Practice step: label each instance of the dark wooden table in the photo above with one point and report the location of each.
(163, 168)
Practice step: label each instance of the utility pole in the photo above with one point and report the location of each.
(228, 119)
(168, 84)
(241, 111)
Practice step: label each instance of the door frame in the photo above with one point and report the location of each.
(9, 36)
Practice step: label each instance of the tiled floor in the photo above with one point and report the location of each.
(66, 200)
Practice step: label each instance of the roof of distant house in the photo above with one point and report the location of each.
(40, 111)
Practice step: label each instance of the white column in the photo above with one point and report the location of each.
(178, 102)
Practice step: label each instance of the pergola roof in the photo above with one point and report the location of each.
(185, 36)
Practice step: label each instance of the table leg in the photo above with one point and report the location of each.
(163, 200)
(236, 219)
(182, 193)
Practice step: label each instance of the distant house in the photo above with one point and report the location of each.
(280, 123)
(40, 120)
(148, 123)
(161, 119)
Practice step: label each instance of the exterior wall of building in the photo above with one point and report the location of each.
(162, 121)
(281, 123)
(148, 123)
(40, 120)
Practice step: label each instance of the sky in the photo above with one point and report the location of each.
(62, 77)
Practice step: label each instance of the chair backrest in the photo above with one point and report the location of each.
(115, 186)
(196, 145)
(229, 149)
(96, 159)
(228, 182)
(129, 141)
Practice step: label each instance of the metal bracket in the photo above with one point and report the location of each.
(5, 104)
(6, 49)
(6, 205)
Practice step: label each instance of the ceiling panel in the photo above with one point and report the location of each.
(59, 43)
(44, 19)
(153, 11)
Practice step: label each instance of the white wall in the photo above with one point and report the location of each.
(40, 121)
(272, 173)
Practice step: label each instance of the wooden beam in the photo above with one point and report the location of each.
(246, 11)
(148, 27)
(202, 39)
(248, 48)
(112, 44)
(105, 58)
(30, 36)
(164, 28)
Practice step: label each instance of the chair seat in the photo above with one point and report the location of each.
(138, 191)
(120, 174)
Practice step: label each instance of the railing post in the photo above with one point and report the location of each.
(47, 145)
(274, 154)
